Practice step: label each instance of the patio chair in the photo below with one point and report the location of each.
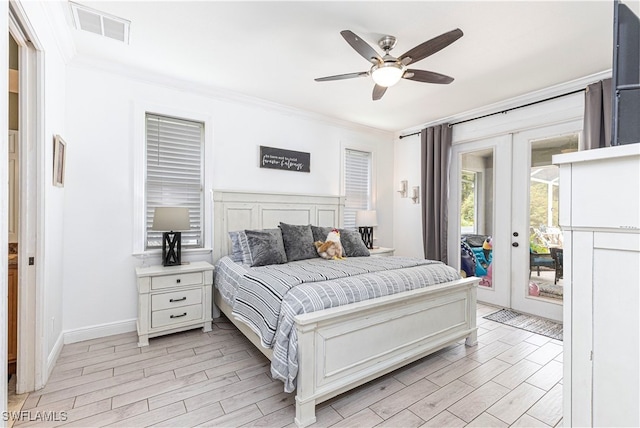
(557, 254)
(540, 259)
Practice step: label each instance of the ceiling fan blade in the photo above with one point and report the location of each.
(427, 76)
(362, 47)
(430, 47)
(342, 76)
(378, 92)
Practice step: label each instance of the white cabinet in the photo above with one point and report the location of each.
(173, 298)
(600, 217)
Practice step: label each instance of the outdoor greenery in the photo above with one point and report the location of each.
(538, 204)
(467, 207)
(539, 199)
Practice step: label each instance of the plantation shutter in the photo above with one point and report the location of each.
(174, 175)
(357, 185)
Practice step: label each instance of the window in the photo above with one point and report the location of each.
(174, 174)
(468, 207)
(357, 172)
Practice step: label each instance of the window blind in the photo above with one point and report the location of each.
(357, 185)
(174, 174)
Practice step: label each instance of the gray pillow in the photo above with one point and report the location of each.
(351, 240)
(298, 242)
(236, 246)
(320, 233)
(352, 243)
(266, 247)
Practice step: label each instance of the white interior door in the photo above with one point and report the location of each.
(537, 250)
(480, 211)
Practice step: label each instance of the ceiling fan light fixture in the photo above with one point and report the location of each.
(387, 74)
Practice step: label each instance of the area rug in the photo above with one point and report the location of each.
(527, 322)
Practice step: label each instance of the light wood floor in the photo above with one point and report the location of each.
(512, 378)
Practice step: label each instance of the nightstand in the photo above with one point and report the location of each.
(382, 252)
(173, 299)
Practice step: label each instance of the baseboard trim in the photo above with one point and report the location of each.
(98, 331)
(53, 357)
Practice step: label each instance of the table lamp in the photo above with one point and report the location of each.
(172, 219)
(365, 220)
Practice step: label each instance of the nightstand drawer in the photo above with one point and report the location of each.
(175, 316)
(176, 299)
(178, 280)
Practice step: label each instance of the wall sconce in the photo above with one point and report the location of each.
(415, 194)
(403, 189)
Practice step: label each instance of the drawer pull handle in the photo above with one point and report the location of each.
(178, 316)
(178, 300)
(178, 280)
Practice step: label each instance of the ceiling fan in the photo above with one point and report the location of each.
(388, 70)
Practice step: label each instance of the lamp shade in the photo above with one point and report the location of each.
(366, 218)
(171, 218)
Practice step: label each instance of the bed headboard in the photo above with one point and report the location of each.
(246, 210)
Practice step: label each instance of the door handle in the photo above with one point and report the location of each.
(515, 244)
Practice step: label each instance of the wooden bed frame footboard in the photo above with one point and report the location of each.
(342, 348)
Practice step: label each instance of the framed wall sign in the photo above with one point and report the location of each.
(59, 154)
(290, 160)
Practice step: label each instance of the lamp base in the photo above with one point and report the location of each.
(367, 235)
(171, 247)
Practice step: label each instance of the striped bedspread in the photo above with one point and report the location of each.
(268, 298)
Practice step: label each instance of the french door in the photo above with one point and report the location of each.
(504, 212)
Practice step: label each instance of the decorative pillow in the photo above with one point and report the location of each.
(353, 244)
(236, 246)
(320, 233)
(298, 242)
(266, 247)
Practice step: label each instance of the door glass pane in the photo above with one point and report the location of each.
(545, 235)
(476, 215)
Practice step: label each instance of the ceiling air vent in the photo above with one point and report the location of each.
(100, 23)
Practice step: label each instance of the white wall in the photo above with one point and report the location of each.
(98, 266)
(53, 229)
(407, 218)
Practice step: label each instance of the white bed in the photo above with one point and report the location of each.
(344, 347)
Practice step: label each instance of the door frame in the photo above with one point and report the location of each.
(32, 362)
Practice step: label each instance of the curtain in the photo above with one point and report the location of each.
(436, 149)
(597, 115)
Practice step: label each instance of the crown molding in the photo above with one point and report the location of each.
(156, 78)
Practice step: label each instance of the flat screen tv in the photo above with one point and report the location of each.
(626, 76)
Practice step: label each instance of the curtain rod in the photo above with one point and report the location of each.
(504, 111)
